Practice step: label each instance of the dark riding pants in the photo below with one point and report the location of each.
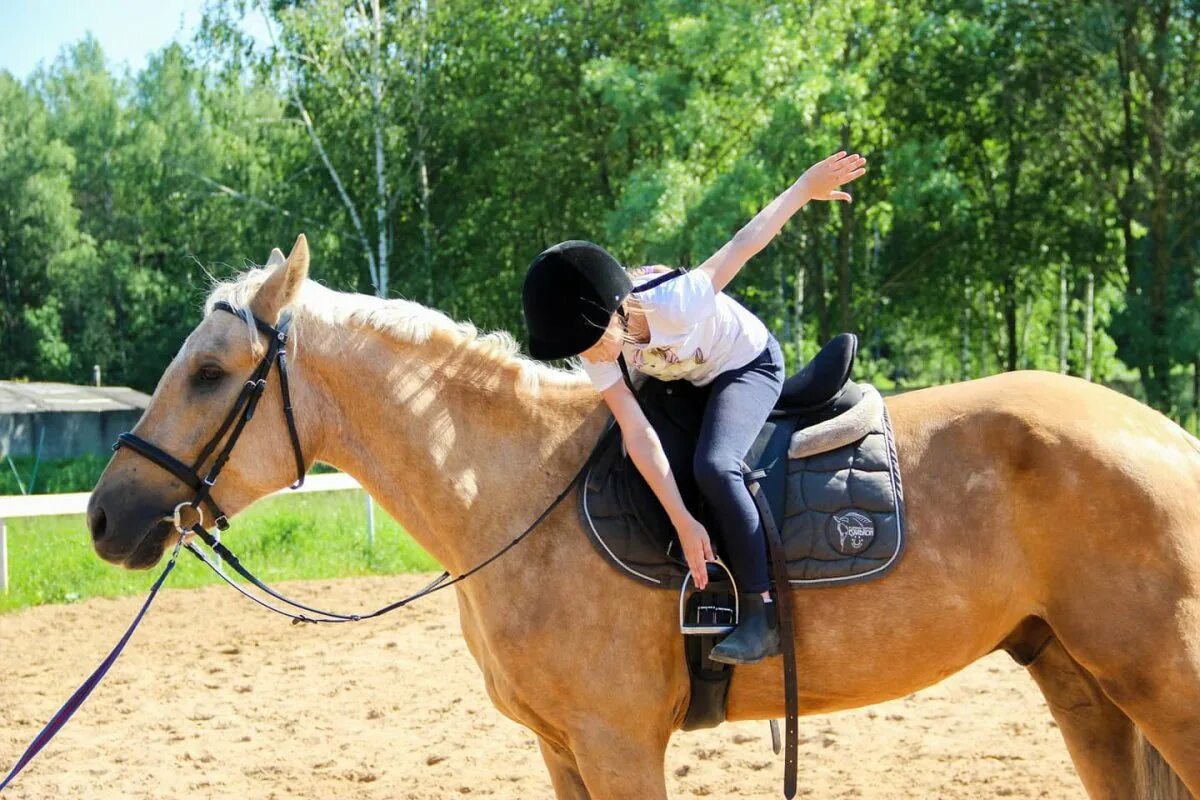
(738, 405)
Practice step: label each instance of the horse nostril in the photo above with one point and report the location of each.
(97, 522)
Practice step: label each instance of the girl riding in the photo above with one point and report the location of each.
(578, 301)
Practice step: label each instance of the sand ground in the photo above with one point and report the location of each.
(215, 698)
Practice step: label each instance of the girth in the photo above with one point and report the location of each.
(234, 423)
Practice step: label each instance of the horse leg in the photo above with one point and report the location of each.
(616, 765)
(1099, 737)
(1161, 696)
(1148, 665)
(564, 771)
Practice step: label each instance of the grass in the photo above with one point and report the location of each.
(304, 536)
(52, 475)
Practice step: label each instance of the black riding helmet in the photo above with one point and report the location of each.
(571, 291)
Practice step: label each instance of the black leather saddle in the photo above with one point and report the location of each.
(823, 388)
(815, 497)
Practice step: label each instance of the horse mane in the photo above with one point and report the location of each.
(404, 321)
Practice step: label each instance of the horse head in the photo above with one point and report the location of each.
(133, 509)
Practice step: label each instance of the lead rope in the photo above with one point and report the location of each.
(241, 413)
(81, 694)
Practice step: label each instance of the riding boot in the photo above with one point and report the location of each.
(756, 636)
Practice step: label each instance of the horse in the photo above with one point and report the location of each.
(1047, 516)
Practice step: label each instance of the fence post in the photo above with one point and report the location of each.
(3, 556)
(370, 522)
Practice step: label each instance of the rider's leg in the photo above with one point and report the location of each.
(738, 405)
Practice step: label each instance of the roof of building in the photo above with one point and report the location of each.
(17, 397)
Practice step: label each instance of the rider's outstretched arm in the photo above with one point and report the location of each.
(819, 182)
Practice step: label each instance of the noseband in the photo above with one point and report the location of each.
(241, 413)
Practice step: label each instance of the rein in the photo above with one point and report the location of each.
(234, 423)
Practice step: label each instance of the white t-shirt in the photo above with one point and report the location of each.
(695, 334)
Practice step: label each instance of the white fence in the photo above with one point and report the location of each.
(47, 505)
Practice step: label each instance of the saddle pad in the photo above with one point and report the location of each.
(840, 512)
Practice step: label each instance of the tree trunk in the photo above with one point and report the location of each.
(1064, 336)
(1010, 319)
(820, 300)
(964, 333)
(844, 246)
(798, 316)
(381, 189)
(1089, 324)
(844, 241)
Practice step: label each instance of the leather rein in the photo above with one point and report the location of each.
(235, 422)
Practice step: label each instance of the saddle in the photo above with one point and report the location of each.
(825, 479)
(825, 460)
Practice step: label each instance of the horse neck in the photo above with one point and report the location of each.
(447, 438)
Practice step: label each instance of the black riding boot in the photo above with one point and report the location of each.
(756, 636)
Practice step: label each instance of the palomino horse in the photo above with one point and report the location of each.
(1047, 516)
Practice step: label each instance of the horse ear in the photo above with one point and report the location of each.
(280, 288)
(276, 258)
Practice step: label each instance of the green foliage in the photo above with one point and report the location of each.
(52, 476)
(305, 536)
(1016, 150)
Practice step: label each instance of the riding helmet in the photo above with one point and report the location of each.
(571, 291)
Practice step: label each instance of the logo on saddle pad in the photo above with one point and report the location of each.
(851, 532)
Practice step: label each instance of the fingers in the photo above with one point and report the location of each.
(708, 551)
(841, 196)
(846, 162)
(849, 165)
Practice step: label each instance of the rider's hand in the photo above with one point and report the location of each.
(823, 178)
(697, 549)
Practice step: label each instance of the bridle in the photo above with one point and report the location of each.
(241, 413)
(234, 423)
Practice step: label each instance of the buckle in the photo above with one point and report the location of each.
(177, 517)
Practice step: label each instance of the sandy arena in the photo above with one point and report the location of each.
(215, 698)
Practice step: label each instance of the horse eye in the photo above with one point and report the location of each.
(210, 374)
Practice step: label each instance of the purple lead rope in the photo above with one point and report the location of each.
(76, 700)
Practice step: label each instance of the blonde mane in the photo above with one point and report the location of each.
(405, 321)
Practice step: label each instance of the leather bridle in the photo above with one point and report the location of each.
(234, 423)
(241, 413)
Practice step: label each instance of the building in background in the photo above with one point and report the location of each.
(65, 421)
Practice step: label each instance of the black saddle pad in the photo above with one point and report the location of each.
(840, 511)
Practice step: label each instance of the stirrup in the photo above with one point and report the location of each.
(713, 611)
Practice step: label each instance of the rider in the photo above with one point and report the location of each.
(578, 301)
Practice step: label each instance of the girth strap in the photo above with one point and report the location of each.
(783, 600)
